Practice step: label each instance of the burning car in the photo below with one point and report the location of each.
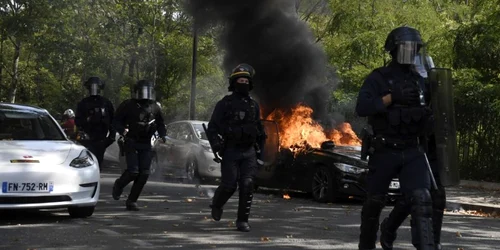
(300, 155)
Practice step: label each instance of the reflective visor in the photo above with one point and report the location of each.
(406, 52)
(94, 89)
(146, 92)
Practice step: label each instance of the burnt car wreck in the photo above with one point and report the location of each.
(330, 173)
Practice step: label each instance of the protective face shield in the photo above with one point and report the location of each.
(423, 64)
(145, 92)
(406, 52)
(94, 89)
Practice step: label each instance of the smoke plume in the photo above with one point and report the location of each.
(268, 34)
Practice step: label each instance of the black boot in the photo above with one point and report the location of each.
(438, 205)
(221, 196)
(136, 190)
(121, 183)
(370, 221)
(244, 205)
(421, 220)
(390, 225)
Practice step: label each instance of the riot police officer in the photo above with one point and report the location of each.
(392, 97)
(94, 115)
(236, 133)
(402, 209)
(142, 117)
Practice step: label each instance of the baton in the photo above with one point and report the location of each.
(433, 180)
(217, 158)
(151, 122)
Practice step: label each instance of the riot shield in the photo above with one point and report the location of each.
(441, 85)
(271, 150)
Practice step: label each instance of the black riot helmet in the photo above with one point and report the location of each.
(403, 43)
(144, 90)
(94, 85)
(241, 70)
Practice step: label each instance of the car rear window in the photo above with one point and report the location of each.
(26, 125)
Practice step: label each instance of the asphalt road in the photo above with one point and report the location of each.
(176, 215)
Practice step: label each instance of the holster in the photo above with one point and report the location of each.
(366, 143)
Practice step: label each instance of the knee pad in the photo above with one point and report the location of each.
(246, 185)
(421, 202)
(439, 198)
(373, 206)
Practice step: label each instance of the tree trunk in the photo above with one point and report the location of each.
(15, 71)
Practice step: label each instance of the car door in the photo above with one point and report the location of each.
(180, 149)
(270, 151)
(165, 150)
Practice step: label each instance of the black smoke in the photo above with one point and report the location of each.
(269, 35)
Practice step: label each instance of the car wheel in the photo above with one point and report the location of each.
(192, 171)
(81, 212)
(322, 185)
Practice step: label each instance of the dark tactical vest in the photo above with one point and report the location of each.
(241, 121)
(400, 121)
(98, 119)
(141, 120)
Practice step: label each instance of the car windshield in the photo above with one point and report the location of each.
(25, 125)
(200, 133)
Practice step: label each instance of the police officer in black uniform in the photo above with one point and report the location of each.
(392, 98)
(402, 208)
(94, 117)
(236, 133)
(143, 117)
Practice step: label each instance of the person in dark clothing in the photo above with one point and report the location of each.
(237, 135)
(393, 99)
(402, 209)
(142, 117)
(94, 115)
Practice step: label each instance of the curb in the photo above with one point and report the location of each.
(480, 185)
(454, 206)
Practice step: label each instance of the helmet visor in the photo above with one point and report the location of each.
(94, 89)
(423, 64)
(406, 52)
(146, 92)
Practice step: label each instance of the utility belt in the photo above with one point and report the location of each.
(238, 144)
(371, 143)
(396, 143)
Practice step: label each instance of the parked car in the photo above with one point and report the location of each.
(187, 152)
(329, 173)
(40, 167)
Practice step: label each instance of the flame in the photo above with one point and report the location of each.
(297, 129)
(286, 197)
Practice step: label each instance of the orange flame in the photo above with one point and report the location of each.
(286, 197)
(298, 129)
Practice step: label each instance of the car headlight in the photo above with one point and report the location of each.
(349, 168)
(83, 160)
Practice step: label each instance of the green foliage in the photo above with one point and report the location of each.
(48, 48)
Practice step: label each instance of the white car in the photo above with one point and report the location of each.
(40, 167)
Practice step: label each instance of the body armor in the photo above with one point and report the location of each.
(141, 124)
(401, 120)
(240, 117)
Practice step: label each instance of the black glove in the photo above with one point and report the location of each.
(405, 94)
(164, 139)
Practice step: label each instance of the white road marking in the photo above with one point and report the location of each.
(109, 232)
(140, 242)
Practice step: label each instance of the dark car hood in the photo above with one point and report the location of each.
(347, 154)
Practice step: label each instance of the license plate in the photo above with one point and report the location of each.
(394, 185)
(27, 187)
